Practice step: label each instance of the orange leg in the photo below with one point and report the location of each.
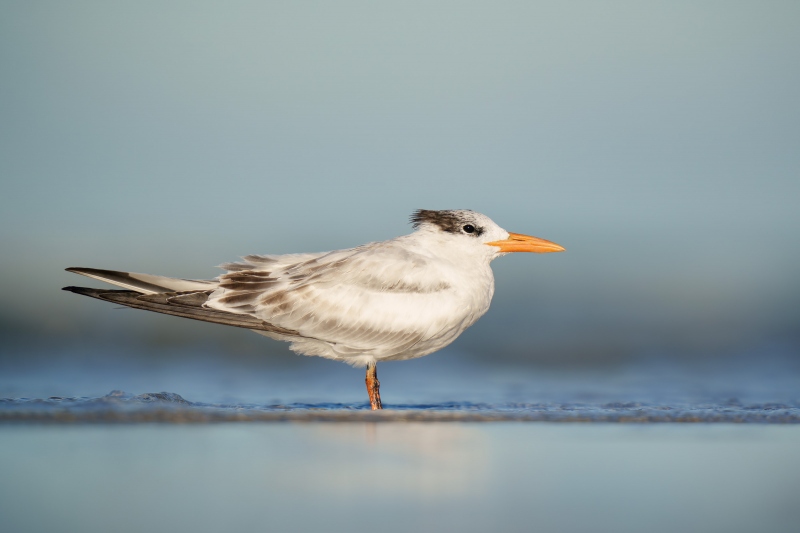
(373, 386)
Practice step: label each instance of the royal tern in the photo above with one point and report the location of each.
(383, 301)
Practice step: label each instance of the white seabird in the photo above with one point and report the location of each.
(383, 301)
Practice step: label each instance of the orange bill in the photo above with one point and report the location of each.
(517, 242)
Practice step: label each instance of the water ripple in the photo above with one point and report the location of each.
(169, 407)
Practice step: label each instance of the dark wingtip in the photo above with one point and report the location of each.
(82, 290)
(72, 289)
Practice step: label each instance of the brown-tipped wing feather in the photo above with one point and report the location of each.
(187, 304)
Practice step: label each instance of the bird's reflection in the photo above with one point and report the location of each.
(435, 461)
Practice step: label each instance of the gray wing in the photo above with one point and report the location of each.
(187, 304)
(144, 283)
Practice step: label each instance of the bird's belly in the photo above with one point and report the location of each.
(347, 322)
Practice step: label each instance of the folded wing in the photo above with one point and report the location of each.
(379, 299)
(144, 283)
(187, 304)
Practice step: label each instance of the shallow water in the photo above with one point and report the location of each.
(288, 444)
(84, 385)
(168, 407)
(354, 477)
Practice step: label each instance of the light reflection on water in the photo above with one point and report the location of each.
(397, 461)
(359, 472)
(400, 477)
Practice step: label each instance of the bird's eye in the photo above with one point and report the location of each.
(469, 228)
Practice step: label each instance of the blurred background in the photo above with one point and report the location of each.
(657, 142)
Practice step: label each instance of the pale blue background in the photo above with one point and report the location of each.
(657, 141)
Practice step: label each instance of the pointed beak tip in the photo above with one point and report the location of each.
(549, 249)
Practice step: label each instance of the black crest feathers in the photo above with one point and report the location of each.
(447, 221)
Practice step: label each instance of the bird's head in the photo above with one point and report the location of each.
(471, 230)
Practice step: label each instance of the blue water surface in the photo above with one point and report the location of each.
(114, 437)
